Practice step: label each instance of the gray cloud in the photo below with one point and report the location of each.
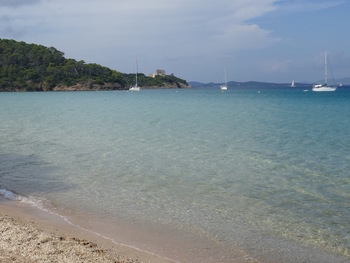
(17, 3)
(7, 30)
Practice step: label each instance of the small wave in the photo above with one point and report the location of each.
(7, 194)
(10, 195)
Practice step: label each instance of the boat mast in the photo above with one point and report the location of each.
(325, 67)
(225, 77)
(137, 69)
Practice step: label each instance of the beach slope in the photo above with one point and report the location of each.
(28, 237)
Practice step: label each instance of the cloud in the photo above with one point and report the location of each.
(17, 3)
(276, 66)
(153, 18)
(110, 32)
(248, 36)
(167, 25)
(287, 6)
(8, 29)
(249, 9)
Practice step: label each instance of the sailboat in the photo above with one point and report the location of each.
(135, 87)
(324, 87)
(292, 85)
(224, 87)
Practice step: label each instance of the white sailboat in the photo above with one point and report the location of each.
(135, 87)
(292, 85)
(324, 87)
(224, 87)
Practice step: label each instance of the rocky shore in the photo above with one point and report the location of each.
(114, 86)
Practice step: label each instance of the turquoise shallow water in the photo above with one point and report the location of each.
(274, 163)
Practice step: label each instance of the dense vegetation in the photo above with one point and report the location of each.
(32, 67)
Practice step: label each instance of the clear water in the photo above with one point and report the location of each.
(274, 163)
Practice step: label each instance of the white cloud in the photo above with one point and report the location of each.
(164, 20)
(245, 10)
(248, 37)
(109, 31)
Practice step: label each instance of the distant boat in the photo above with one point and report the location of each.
(324, 87)
(135, 87)
(292, 85)
(224, 87)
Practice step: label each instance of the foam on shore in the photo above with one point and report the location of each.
(10, 195)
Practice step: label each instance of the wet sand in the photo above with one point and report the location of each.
(30, 235)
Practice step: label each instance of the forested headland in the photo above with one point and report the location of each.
(32, 67)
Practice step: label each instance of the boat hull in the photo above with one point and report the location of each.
(135, 88)
(324, 88)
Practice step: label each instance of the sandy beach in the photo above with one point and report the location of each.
(29, 235)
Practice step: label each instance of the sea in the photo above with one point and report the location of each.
(192, 175)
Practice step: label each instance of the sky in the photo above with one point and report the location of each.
(196, 40)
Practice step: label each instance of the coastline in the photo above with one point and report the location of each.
(31, 235)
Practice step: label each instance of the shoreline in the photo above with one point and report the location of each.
(29, 234)
(24, 227)
(123, 239)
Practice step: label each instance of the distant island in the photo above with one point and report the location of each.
(261, 85)
(248, 84)
(31, 67)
